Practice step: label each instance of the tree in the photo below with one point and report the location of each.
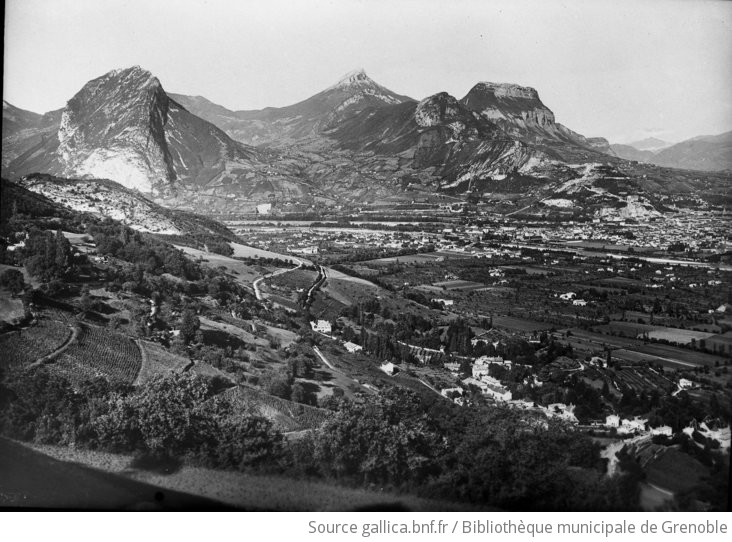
(301, 395)
(12, 279)
(189, 325)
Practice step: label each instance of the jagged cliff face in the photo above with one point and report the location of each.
(114, 128)
(519, 112)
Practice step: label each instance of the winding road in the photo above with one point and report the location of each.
(255, 284)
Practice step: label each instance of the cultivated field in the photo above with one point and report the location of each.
(98, 352)
(459, 285)
(679, 336)
(156, 360)
(32, 343)
(285, 415)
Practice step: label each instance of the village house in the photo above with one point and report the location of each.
(322, 326)
(613, 420)
(389, 368)
(636, 425)
(352, 347)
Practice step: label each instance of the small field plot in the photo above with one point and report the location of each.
(235, 330)
(285, 415)
(459, 285)
(625, 329)
(243, 272)
(156, 360)
(520, 324)
(283, 336)
(32, 343)
(98, 352)
(348, 292)
(78, 238)
(410, 258)
(683, 354)
(244, 251)
(293, 280)
(678, 336)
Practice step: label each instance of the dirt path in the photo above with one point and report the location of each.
(322, 357)
(255, 284)
(61, 349)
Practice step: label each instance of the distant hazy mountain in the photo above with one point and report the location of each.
(650, 144)
(16, 119)
(704, 153)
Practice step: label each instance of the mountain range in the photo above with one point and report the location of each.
(703, 153)
(353, 143)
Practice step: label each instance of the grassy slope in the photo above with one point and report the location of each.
(232, 489)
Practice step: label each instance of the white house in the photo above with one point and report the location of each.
(663, 430)
(579, 302)
(352, 347)
(568, 296)
(321, 326)
(264, 208)
(389, 368)
(685, 384)
(445, 302)
(613, 420)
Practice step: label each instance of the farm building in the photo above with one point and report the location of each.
(613, 420)
(264, 208)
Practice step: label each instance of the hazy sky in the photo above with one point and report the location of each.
(619, 69)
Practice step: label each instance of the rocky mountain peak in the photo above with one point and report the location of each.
(438, 109)
(506, 90)
(357, 78)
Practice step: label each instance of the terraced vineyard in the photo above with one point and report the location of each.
(156, 360)
(98, 352)
(285, 415)
(32, 343)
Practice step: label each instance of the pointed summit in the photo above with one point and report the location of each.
(354, 78)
